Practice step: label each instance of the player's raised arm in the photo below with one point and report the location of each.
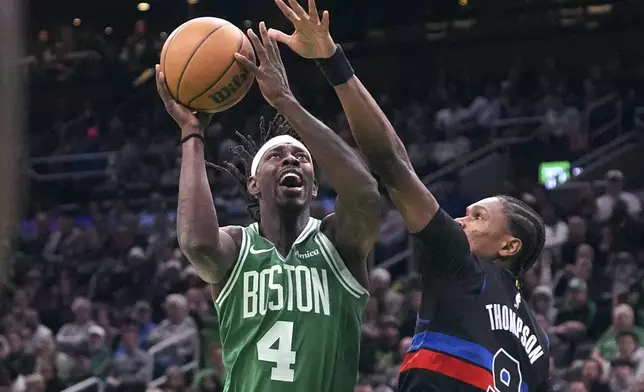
(209, 248)
(384, 151)
(355, 222)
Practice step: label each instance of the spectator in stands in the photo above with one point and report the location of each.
(198, 305)
(142, 318)
(552, 337)
(393, 234)
(23, 362)
(389, 300)
(543, 303)
(486, 109)
(393, 370)
(40, 331)
(624, 230)
(576, 386)
(132, 369)
(628, 347)
(556, 229)
(34, 242)
(614, 192)
(211, 378)
(579, 267)
(100, 354)
(363, 386)
(177, 322)
(47, 355)
(19, 307)
(175, 381)
(411, 306)
(35, 383)
(454, 146)
(386, 353)
(625, 274)
(451, 118)
(52, 382)
(558, 383)
(578, 233)
(623, 321)
(621, 375)
(561, 125)
(592, 374)
(65, 241)
(72, 337)
(576, 317)
(103, 320)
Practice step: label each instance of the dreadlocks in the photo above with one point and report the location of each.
(247, 151)
(527, 225)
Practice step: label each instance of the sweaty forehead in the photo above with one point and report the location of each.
(493, 205)
(282, 148)
(286, 147)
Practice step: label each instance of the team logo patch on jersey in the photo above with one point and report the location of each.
(517, 300)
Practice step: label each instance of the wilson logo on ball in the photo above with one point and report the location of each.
(221, 95)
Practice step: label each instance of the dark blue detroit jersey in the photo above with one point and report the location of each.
(474, 330)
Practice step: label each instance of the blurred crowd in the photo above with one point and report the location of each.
(100, 290)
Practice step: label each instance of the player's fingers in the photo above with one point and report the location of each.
(278, 55)
(325, 19)
(276, 52)
(259, 48)
(287, 11)
(162, 88)
(264, 34)
(313, 11)
(249, 65)
(297, 8)
(279, 36)
(204, 118)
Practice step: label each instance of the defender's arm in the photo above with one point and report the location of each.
(354, 225)
(386, 155)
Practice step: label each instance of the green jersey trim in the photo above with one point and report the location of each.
(234, 275)
(310, 226)
(338, 267)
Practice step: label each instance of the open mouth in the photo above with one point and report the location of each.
(291, 180)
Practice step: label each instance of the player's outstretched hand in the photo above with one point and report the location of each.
(185, 118)
(270, 74)
(311, 38)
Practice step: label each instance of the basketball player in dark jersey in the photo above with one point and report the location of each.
(474, 331)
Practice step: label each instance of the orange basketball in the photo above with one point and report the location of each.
(199, 64)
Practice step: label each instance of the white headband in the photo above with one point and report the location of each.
(276, 141)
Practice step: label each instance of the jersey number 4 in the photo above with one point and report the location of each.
(276, 347)
(506, 372)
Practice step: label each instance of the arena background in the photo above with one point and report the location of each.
(539, 99)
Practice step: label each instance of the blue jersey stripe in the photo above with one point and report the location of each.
(453, 346)
(456, 347)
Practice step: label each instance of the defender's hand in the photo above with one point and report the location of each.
(271, 74)
(311, 38)
(188, 121)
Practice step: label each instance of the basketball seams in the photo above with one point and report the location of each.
(223, 74)
(185, 66)
(166, 49)
(167, 45)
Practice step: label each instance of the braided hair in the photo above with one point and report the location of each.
(246, 152)
(525, 224)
